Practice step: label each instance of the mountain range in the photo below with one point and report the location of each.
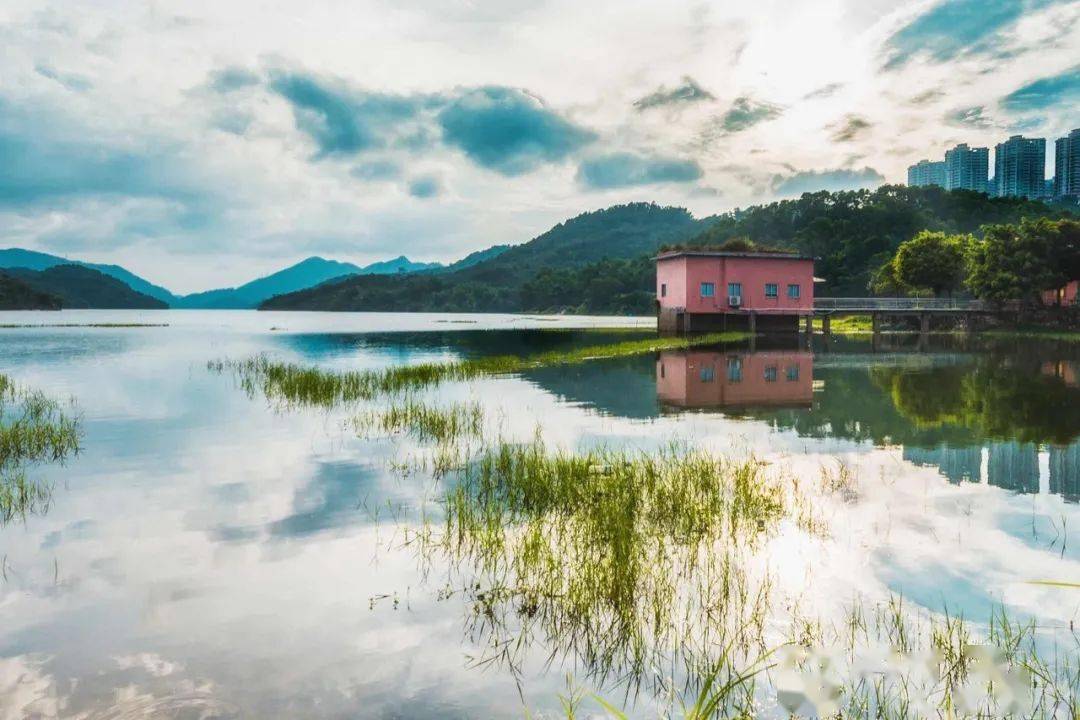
(44, 273)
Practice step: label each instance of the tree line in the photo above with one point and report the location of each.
(1010, 262)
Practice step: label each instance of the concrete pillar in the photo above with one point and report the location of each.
(752, 322)
(875, 323)
(826, 324)
(924, 323)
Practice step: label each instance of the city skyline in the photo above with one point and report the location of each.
(201, 144)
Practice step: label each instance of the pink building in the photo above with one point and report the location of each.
(701, 379)
(699, 290)
(1063, 296)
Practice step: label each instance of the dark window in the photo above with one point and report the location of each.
(708, 373)
(734, 289)
(770, 373)
(771, 290)
(663, 289)
(661, 369)
(792, 373)
(794, 292)
(708, 289)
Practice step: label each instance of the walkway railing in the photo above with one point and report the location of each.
(907, 304)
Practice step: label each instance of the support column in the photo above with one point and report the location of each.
(752, 322)
(924, 323)
(875, 323)
(826, 324)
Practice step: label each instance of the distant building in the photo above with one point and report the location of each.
(925, 173)
(1020, 167)
(967, 168)
(1067, 165)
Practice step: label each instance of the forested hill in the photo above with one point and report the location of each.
(494, 284)
(598, 262)
(80, 287)
(17, 295)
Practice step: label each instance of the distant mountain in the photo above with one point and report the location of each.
(492, 280)
(305, 274)
(18, 295)
(31, 260)
(79, 287)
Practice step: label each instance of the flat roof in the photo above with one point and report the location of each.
(732, 254)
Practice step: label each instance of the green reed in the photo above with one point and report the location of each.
(610, 556)
(293, 383)
(34, 428)
(423, 421)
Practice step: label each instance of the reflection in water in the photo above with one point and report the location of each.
(703, 379)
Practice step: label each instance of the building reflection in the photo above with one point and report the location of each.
(737, 379)
(1019, 467)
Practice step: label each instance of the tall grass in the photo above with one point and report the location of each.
(611, 557)
(297, 384)
(33, 429)
(423, 421)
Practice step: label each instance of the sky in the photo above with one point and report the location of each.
(204, 143)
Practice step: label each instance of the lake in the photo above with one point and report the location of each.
(213, 552)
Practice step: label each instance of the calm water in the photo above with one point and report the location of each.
(207, 555)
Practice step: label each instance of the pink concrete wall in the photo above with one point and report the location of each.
(673, 273)
(684, 275)
(680, 379)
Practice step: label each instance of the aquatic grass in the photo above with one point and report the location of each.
(423, 421)
(34, 428)
(17, 326)
(592, 551)
(305, 385)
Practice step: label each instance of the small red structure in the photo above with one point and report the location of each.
(699, 290)
(1062, 296)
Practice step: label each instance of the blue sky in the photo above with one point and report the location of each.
(202, 143)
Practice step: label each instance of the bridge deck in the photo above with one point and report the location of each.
(898, 306)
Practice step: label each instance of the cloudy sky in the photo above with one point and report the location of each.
(202, 143)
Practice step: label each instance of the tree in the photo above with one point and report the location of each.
(932, 260)
(1012, 263)
(883, 281)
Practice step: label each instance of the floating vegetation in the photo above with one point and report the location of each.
(33, 429)
(424, 421)
(612, 558)
(297, 384)
(14, 326)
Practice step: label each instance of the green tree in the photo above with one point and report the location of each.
(1013, 263)
(931, 260)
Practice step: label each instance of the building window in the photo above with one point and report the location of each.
(734, 289)
(770, 373)
(708, 289)
(793, 373)
(734, 369)
(662, 370)
(663, 289)
(771, 290)
(708, 373)
(794, 292)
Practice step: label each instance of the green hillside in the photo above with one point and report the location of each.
(18, 295)
(599, 262)
(80, 287)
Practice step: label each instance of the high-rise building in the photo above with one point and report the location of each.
(925, 173)
(1020, 167)
(1067, 165)
(967, 168)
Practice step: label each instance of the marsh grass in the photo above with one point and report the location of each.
(33, 429)
(296, 384)
(611, 557)
(17, 326)
(423, 421)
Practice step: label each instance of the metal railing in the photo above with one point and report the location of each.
(881, 304)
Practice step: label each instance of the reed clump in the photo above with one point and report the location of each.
(613, 557)
(34, 428)
(424, 421)
(293, 383)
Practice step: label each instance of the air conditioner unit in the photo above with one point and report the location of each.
(734, 300)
